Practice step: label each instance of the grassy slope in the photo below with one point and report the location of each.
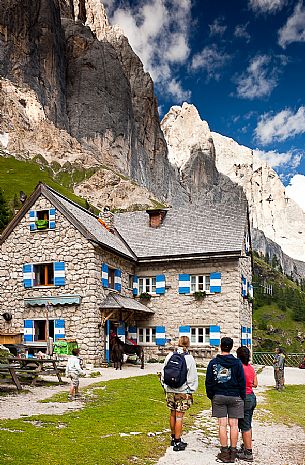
(288, 406)
(126, 405)
(273, 326)
(17, 175)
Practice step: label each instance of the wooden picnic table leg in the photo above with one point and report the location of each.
(15, 378)
(57, 371)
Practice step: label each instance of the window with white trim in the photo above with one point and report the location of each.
(146, 335)
(200, 335)
(111, 272)
(147, 285)
(200, 283)
(43, 274)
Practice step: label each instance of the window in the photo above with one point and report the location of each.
(40, 330)
(147, 285)
(43, 274)
(42, 221)
(130, 281)
(111, 280)
(200, 335)
(146, 335)
(200, 283)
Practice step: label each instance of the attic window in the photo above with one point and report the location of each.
(43, 217)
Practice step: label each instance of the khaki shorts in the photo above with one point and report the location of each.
(227, 406)
(179, 401)
(74, 379)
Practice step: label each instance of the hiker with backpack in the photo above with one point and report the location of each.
(226, 387)
(180, 380)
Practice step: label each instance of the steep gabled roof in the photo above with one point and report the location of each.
(213, 230)
(85, 221)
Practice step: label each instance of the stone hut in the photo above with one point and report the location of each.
(146, 276)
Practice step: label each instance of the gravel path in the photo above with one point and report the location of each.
(273, 444)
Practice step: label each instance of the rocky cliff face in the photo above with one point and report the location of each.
(271, 211)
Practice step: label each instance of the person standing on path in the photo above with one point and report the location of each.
(226, 387)
(279, 365)
(245, 424)
(73, 371)
(179, 399)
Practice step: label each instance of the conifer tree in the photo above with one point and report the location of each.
(4, 212)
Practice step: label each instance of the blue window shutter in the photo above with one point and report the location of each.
(249, 336)
(135, 289)
(59, 329)
(33, 218)
(132, 333)
(185, 331)
(250, 290)
(121, 331)
(28, 330)
(244, 286)
(160, 284)
(59, 273)
(28, 275)
(52, 213)
(117, 280)
(104, 275)
(160, 336)
(214, 335)
(243, 336)
(215, 282)
(184, 283)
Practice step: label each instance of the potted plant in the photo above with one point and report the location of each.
(199, 295)
(145, 296)
(42, 224)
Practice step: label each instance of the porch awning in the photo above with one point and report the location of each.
(113, 301)
(59, 300)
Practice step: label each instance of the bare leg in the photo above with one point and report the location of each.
(247, 439)
(178, 424)
(72, 390)
(223, 436)
(233, 423)
(172, 421)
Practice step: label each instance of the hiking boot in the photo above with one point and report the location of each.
(224, 455)
(233, 454)
(71, 398)
(182, 442)
(246, 455)
(179, 446)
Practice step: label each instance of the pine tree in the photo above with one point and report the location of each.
(4, 212)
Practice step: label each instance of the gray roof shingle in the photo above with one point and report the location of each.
(119, 301)
(215, 228)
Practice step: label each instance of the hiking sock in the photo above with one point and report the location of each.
(172, 439)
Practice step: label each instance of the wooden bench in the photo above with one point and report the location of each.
(32, 367)
(8, 371)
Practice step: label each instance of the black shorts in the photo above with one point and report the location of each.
(227, 406)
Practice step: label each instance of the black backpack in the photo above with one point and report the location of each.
(175, 371)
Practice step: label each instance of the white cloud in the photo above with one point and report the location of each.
(158, 32)
(275, 159)
(280, 126)
(294, 29)
(260, 78)
(211, 60)
(296, 190)
(241, 32)
(267, 6)
(217, 28)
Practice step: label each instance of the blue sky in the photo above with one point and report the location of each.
(240, 62)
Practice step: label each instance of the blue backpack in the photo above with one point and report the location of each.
(175, 371)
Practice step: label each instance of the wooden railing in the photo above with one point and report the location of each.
(266, 358)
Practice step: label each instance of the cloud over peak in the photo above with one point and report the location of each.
(281, 126)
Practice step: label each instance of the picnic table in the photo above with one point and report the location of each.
(34, 366)
(7, 369)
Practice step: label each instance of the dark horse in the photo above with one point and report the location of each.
(118, 348)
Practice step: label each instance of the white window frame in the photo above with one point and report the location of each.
(147, 334)
(197, 286)
(198, 332)
(148, 286)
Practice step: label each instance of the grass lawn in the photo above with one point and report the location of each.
(288, 406)
(81, 437)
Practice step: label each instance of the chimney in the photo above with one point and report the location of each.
(106, 218)
(156, 217)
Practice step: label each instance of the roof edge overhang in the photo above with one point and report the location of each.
(198, 256)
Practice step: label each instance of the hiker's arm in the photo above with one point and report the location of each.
(255, 381)
(192, 377)
(209, 382)
(241, 381)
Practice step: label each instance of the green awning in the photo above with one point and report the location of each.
(59, 300)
